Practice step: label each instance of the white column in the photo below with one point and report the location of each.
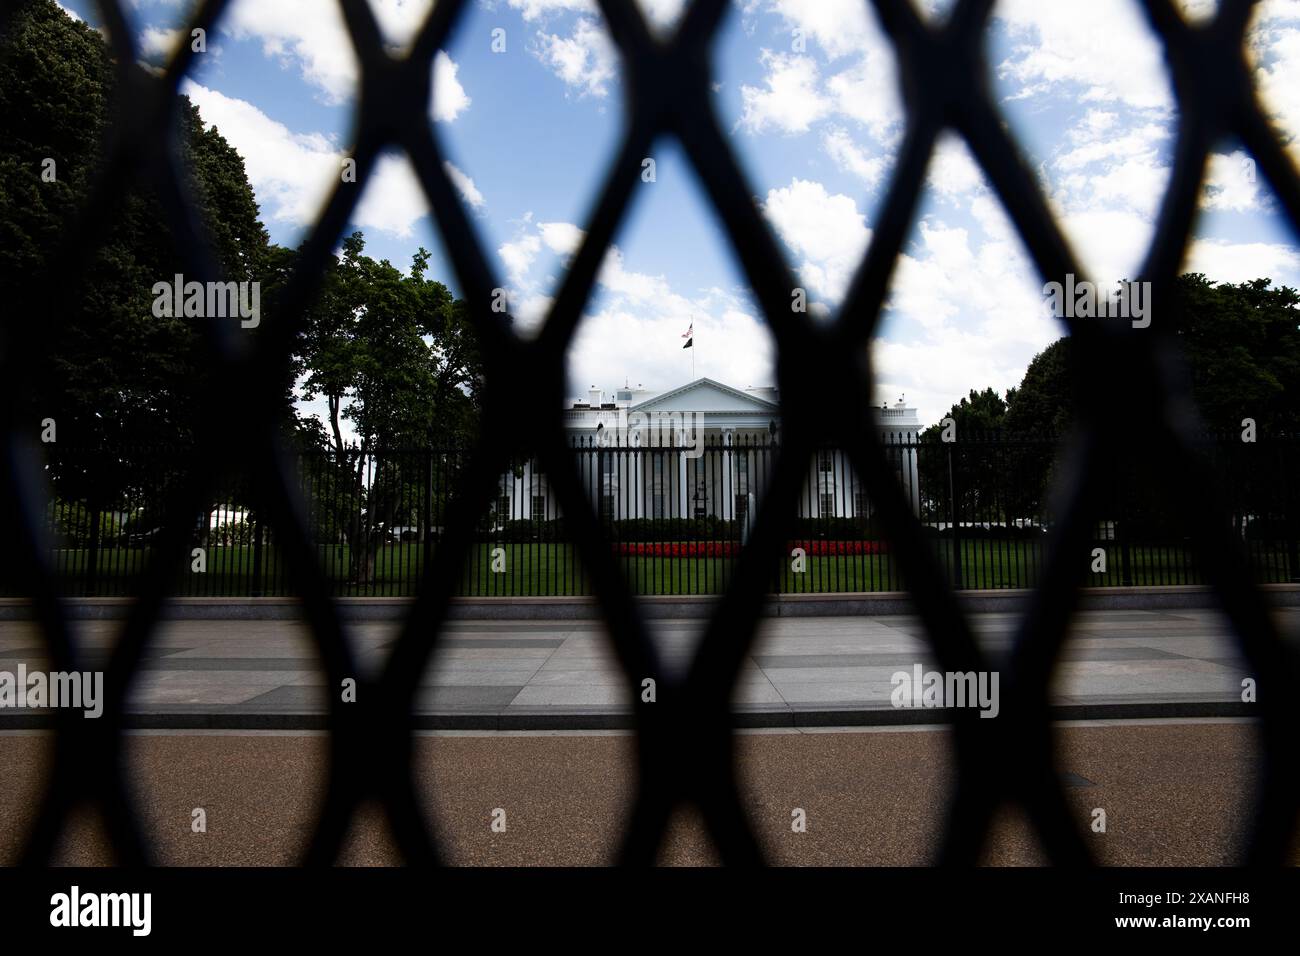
(683, 493)
(637, 477)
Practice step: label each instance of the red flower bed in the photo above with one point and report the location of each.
(822, 549)
(678, 549)
(730, 549)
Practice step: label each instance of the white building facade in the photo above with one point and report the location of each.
(702, 450)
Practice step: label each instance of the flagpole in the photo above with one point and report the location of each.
(689, 336)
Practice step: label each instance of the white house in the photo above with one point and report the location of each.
(701, 449)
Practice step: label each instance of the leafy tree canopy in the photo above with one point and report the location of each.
(392, 353)
(979, 413)
(118, 377)
(1242, 347)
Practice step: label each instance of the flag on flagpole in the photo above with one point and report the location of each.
(689, 336)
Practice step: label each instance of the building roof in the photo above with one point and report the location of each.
(706, 395)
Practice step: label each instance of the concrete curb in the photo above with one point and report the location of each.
(654, 606)
(622, 720)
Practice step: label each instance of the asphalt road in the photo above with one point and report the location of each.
(1175, 793)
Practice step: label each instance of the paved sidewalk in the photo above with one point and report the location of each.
(561, 674)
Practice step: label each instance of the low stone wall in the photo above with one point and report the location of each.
(657, 606)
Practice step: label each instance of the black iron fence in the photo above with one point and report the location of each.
(674, 518)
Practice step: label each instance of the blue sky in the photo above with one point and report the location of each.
(807, 93)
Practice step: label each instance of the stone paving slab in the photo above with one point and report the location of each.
(534, 674)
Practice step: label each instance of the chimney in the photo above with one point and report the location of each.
(595, 396)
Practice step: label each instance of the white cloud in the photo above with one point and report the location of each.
(1225, 261)
(311, 37)
(645, 347)
(399, 19)
(154, 42)
(867, 91)
(965, 307)
(1102, 51)
(561, 237)
(790, 100)
(585, 60)
(826, 232)
(841, 27)
(464, 185)
(1196, 10)
(1231, 182)
(304, 34)
(1274, 49)
(1105, 184)
(660, 13)
(849, 157)
(449, 97)
(393, 201)
(518, 256)
(1096, 144)
(537, 9)
(633, 329)
(292, 173)
(1111, 243)
(953, 171)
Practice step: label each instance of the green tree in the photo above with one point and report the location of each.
(978, 414)
(1043, 403)
(393, 355)
(965, 466)
(1241, 344)
(118, 379)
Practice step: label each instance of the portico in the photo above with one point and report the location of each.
(702, 450)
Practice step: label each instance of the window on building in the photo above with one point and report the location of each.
(825, 462)
(503, 507)
(539, 507)
(861, 505)
(828, 505)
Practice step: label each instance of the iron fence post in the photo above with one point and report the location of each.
(954, 521)
(256, 589)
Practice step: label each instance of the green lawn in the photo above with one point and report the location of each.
(555, 568)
